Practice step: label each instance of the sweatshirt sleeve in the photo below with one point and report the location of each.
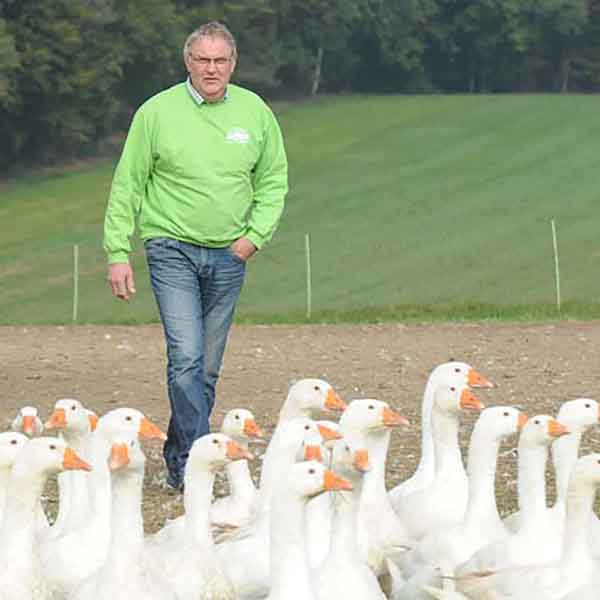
(270, 183)
(127, 191)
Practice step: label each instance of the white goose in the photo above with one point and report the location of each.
(74, 425)
(534, 541)
(72, 557)
(366, 424)
(344, 574)
(239, 507)
(124, 575)
(190, 564)
(20, 574)
(11, 443)
(573, 571)
(245, 554)
(291, 578)
(449, 373)
(442, 504)
(28, 422)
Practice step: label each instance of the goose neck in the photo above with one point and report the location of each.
(564, 455)
(445, 441)
(197, 499)
(427, 448)
(576, 545)
(345, 514)
(127, 527)
(240, 481)
(532, 483)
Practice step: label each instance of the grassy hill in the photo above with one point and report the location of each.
(417, 207)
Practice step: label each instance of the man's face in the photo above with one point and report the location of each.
(210, 64)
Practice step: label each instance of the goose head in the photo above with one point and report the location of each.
(499, 422)
(240, 425)
(541, 430)
(28, 422)
(128, 420)
(457, 373)
(11, 443)
(48, 455)
(452, 399)
(350, 459)
(213, 451)
(69, 416)
(579, 414)
(307, 396)
(126, 454)
(366, 415)
(310, 478)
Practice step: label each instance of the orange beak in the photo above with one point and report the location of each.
(149, 431)
(328, 434)
(470, 401)
(312, 452)
(28, 425)
(236, 452)
(393, 419)
(556, 429)
(333, 482)
(523, 418)
(119, 457)
(478, 381)
(72, 462)
(93, 419)
(334, 402)
(58, 419)
(599, 412)
(251, 429)
(361, 460)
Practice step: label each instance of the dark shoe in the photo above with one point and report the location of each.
(174, 483)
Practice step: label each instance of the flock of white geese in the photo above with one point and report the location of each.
(320, 524)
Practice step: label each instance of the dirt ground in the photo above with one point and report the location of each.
(535, 367)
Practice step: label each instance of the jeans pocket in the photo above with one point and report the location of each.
(234, 256)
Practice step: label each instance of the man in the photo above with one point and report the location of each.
(204, 172)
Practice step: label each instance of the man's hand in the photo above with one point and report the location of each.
(120, 279)
(243, 248)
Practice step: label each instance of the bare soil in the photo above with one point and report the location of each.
(535, 367)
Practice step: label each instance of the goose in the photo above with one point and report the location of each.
(577, 416)
(534, 541)
(125, 575)
(573, 570)
(291, 577)
(20, 574)
(442, 504)
(70, 558)
(344, 574)
(245, 554)
(453, 373)
(239, 507)
(28, 422)
(366, 423)
(191, 565)
(11, 443)
(441, 552)
(74, 424)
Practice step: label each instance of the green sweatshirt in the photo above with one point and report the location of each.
(206, 174)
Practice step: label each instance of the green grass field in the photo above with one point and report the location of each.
(418, 208)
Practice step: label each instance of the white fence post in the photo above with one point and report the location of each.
(556, 265)
(308, 276)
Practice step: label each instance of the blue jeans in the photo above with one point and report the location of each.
(196, 289)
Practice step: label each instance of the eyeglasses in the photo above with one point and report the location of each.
(204, 61)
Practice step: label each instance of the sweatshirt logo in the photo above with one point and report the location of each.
(238, 136)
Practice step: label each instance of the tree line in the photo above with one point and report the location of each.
(71, 71)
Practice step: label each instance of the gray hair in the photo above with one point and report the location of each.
(212, 29)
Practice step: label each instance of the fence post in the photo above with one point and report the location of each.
(556, 265)
(308, 277)
(75, 282)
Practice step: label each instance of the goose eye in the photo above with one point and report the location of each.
(306, 427)
(371, 407)
(317, 388)
(456, 370)
(537, 421)
(237, 417)
(452, 389)
(13, 442)
(598, 461)
(347, 448)
(506, 413)
(132, 443)
(52, 447)
(128, 418)
(215, 441)
(588, 405)
(73, 407)
(311, 471)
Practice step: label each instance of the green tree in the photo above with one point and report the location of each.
(9, 63)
